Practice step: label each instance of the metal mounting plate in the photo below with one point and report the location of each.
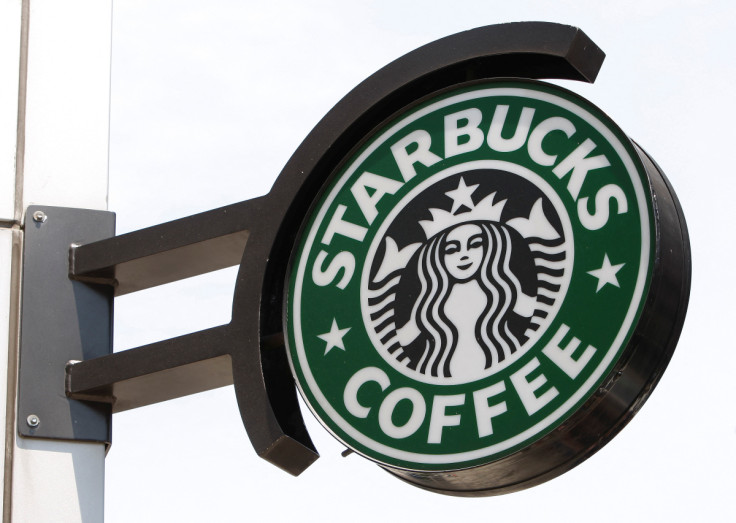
(61, 320)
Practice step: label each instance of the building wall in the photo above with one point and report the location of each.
(54, 121)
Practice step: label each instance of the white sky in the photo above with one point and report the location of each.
(209, 100)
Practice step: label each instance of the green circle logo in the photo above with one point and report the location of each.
(470, 276)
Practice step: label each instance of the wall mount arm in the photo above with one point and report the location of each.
(168, 252)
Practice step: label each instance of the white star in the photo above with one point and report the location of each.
(462, 196)
(607, 273)
(334, 337)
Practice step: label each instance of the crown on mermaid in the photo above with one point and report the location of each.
(484, 210)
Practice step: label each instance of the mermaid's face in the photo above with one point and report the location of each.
(463, 251)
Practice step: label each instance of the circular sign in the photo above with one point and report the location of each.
(470, 276)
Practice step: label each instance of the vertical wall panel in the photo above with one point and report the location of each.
(64, 163)
(67, 103)
(10, 23)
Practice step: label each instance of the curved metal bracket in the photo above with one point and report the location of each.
(529, 50)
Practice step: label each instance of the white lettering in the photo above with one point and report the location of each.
(600, 215)
(406, 160)
(380, 185)
(563, 358)
(363, 376)
(439, 418)
(385, 413)
(556, 123)
(577, 162)
(339, 226)
(484, 413)
(505, 145)
(344, 260)
(453, 132)
(527, 389)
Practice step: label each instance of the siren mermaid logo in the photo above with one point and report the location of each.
(479, 281)
(470, 276)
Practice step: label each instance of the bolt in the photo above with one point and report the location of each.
(33, 421)
(39, 216)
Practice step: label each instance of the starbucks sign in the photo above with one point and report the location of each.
(470, 275)
(475, 279)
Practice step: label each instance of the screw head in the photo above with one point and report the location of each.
(33, 421)
(39, 216)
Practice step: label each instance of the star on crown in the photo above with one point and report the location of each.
(484, 210)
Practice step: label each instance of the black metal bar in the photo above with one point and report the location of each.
(167, 252)
(153, 373)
